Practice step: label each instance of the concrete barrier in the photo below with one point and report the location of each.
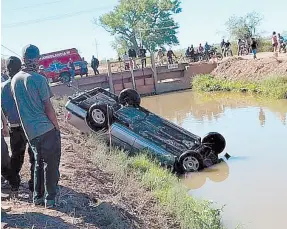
(146, 81)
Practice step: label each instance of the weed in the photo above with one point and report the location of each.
(273, 87)
(166, 187)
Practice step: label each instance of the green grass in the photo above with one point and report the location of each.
(274, 87)
(174, 196)
(166, 187)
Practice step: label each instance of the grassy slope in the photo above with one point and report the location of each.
(165, 186)
(273, 87)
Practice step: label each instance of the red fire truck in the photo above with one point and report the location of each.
(54, 65)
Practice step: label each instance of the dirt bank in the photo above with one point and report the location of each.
(89, 196)
(238, 68)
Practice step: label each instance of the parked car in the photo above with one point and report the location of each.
(136, 129)
(54, 65)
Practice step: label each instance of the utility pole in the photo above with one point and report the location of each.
(97, 48)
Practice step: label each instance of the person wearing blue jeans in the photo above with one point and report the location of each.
(32, 95)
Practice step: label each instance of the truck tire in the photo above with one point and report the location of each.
(99, 116)
(215, 141)
(65, 77)
(129, 97)
(190, 161)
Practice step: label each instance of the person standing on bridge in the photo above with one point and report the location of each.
(160, 56)
(32, 95)
(126, 60)
(18, 140)
(95, 64)
(169, 55)
(142, 55)
(84, 67)
(71, 67)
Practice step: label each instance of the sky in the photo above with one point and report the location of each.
(73, 26)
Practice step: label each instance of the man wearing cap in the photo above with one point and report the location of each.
(18, 140)
(32, 95)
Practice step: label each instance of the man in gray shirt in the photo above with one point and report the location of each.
(32, 96)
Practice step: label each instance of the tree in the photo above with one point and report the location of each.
(120, 45)
(245, 26)
(148, 22)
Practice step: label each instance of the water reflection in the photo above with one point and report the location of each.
(252, 183)
(216, 173)
(262, 117)
(178, 106)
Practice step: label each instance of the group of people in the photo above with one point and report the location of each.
(84, 67)
(191, 51)
(160, 55)
(250, 45)
(225, 47)
(278, 42)
(29, 119)
(130, 58)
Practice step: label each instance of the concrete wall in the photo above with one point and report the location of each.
(202, 68)
(85, 83)
(146, 81)
(172, 79)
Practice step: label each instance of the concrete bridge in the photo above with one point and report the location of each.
(147, 81)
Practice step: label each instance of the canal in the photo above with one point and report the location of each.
(252, 184)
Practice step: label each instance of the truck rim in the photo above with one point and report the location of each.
(190, 163)
(98, 116)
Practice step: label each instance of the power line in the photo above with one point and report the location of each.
(52, 17)
(11, 50)
(36, 5)
(4, 55)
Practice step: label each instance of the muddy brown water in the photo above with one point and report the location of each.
(252, 184)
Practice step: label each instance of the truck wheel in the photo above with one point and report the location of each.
(65, 77)
(129, 97)
(100, 116)
(215, 141)
(190, 161)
